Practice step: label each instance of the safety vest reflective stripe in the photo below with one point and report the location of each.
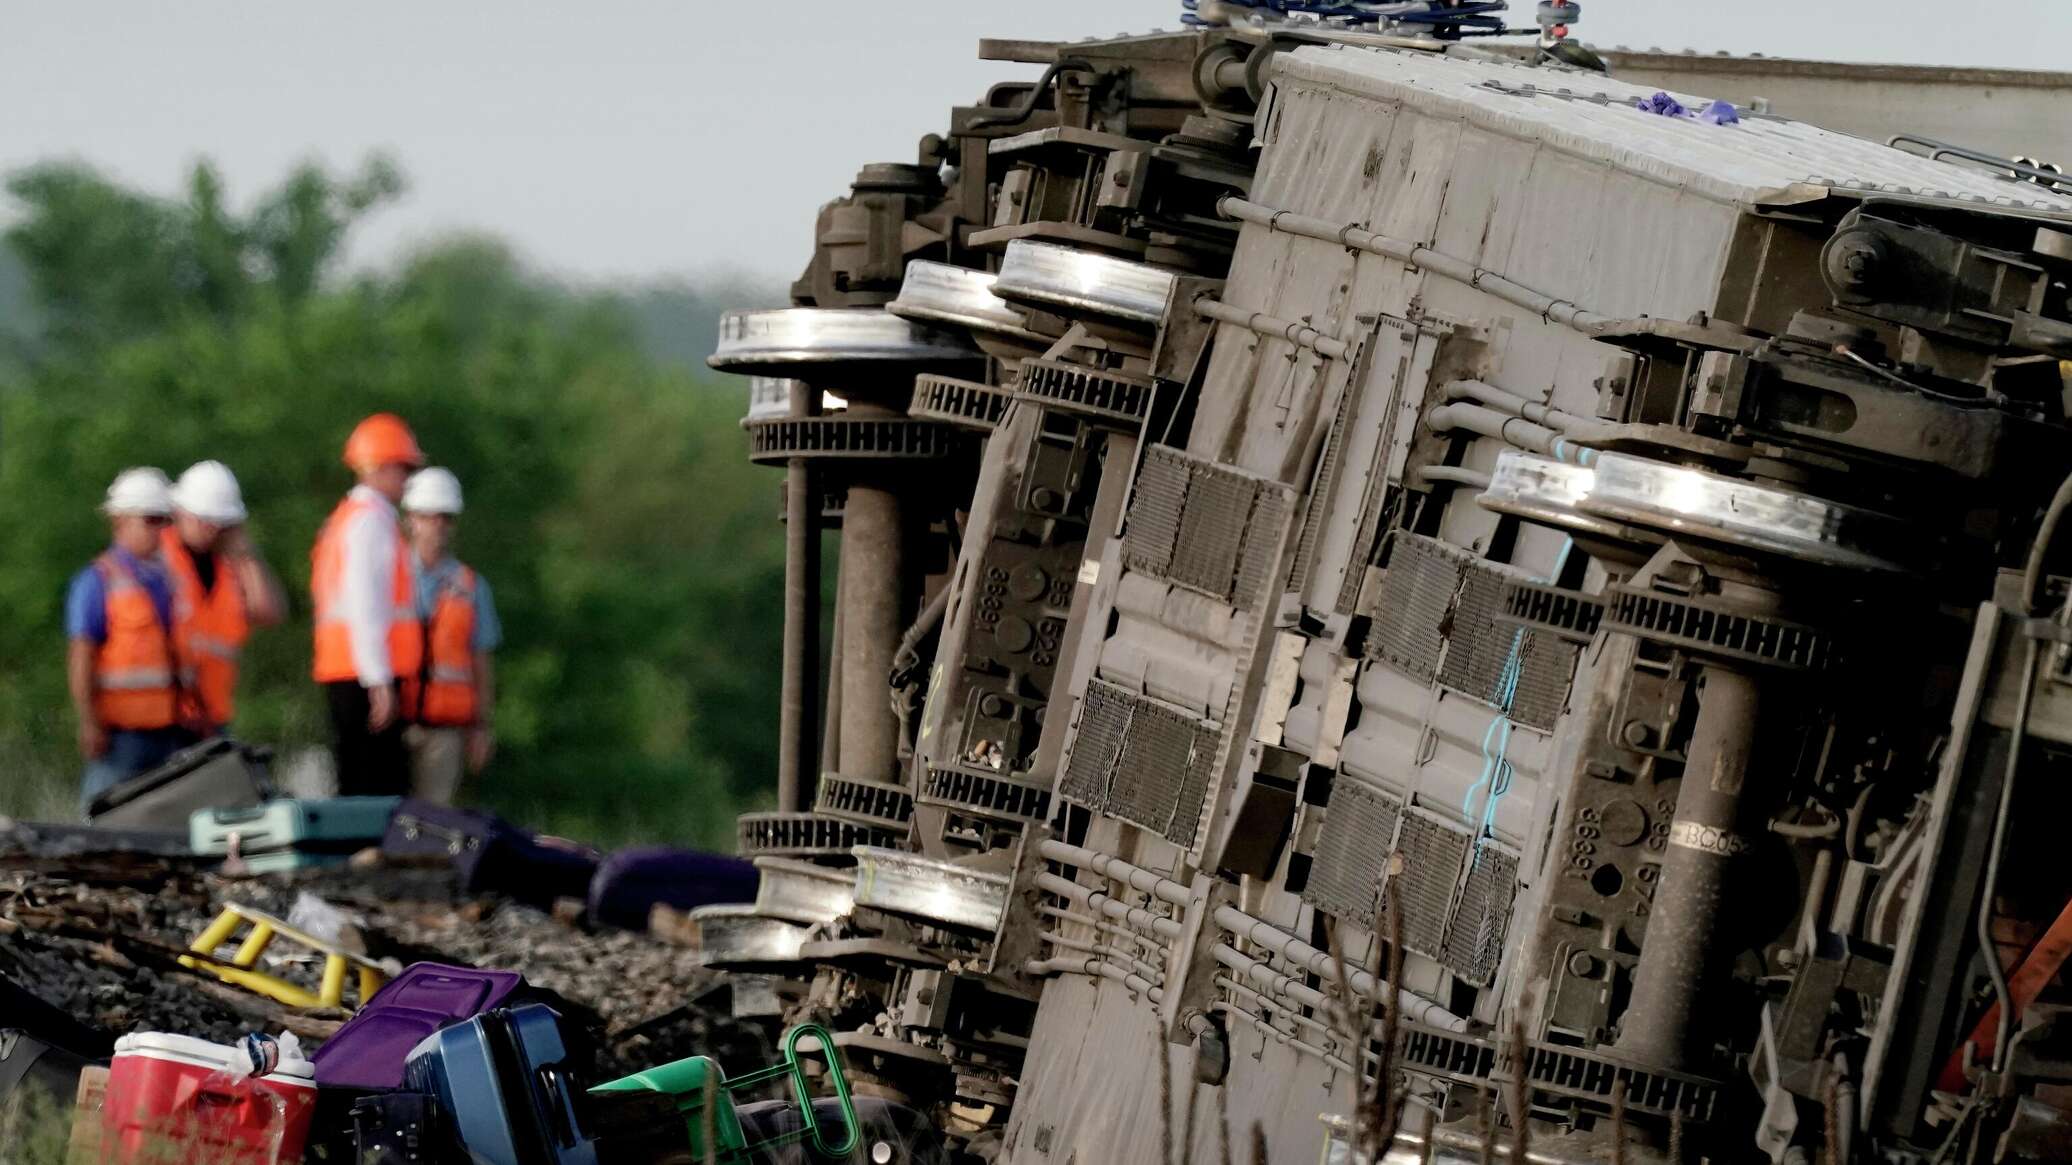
(134, 679)
(210, 645)
(397, 613)
(453, 675)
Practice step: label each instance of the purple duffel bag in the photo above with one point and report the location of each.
(633, 881)
(368, 1052)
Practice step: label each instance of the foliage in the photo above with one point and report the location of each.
(632, 548)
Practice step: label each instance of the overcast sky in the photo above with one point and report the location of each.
(611, 138)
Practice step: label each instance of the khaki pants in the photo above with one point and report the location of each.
(438, 759)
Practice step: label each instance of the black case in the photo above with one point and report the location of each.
(217, 773)
(489, 854)
(36, 1077)
(397, 1128)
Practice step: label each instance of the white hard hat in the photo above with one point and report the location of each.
(432, 491)
(208, 490)
(142, 491)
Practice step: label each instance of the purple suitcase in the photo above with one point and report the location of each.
(368, 1052)
(489, 854)
(632, 881)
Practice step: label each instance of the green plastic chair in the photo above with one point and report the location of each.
(687, 1081)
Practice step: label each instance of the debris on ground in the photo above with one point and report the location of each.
(99, 935)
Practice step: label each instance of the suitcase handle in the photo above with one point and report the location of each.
(561, 1117)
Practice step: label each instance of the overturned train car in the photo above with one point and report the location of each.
(1404, 607)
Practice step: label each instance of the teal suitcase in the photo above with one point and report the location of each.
(310, 827)
(282, 860)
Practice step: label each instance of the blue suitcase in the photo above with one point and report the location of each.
(506, 1081)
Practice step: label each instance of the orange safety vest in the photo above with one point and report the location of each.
(133, 670)
(333, 660)
(209, 631)
(447, 677)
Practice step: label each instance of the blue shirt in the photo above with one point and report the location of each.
(489, 634)
(86, 600)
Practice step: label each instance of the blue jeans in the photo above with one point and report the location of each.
(129, 753)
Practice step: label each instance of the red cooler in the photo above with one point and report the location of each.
(175, 1099)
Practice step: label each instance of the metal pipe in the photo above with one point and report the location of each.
(1295, 332)
(831, 736)
(1453, 473)
(1415, 1008)
(1102, 926)
(1108, 866)
(1097, 951)
(1487, 422)
(799, 687)
(1444, 1146)
(2003, 1022)
(1505, 401)
(1937, 150)
(1261, 1000)
(872, 587)
(1271, 980)
(1106, 903)
(1281, 1037)
(1038, 968)
(1676, 957)
(1352, 236)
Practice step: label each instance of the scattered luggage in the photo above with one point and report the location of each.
(176, 1098)
(506, 1082)
(632, 882)
(688, 1081)
(490, 854)
(368, 1052)
(292, 834)
(217, 773)
(396, 1128)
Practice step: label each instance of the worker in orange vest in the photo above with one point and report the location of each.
(221, 590)
(119, 621)
(367, 633)
(454, 690)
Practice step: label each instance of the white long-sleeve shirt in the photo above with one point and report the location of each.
(366, 593)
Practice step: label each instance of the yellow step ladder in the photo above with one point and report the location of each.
(242, 969)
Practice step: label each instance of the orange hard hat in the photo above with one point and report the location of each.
(382, 439)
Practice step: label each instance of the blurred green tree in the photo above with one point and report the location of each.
(631, 546)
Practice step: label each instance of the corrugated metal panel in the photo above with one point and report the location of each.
(1409, 629)
(1155, 504)
(1353, 849)
(1481, 646)
(1104, 718)
(1755, 162)
(1433, 855)
(1475, 937)
(1142, 761)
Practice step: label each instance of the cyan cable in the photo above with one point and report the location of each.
(1496, 767)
